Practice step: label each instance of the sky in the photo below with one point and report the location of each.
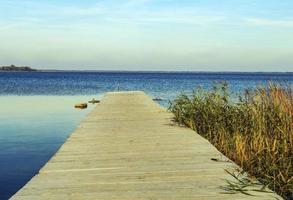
(149, 35)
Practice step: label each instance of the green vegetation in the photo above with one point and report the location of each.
(15, 68)
(256, 132)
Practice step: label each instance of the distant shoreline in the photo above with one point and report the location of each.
(13, 68)
(153, 72)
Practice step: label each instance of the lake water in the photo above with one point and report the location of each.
(37, 115)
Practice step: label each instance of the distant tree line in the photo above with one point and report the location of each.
(15, 68)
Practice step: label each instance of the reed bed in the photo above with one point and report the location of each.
(255, 131)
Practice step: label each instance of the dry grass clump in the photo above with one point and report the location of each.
(256, 132)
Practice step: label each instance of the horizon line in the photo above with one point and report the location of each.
(156, 71)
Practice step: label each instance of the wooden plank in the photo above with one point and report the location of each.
(128, 148)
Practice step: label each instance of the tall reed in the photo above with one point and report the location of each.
(256, 131)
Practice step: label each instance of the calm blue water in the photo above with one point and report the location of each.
(32, 128)
(165, 85)
(36, 114)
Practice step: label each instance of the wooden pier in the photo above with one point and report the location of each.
(127, 148)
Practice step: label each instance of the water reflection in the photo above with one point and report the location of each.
(32, 128)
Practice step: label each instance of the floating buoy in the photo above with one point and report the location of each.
(93, 101)
(81, 105)
(157, 99)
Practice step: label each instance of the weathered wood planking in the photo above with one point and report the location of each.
(128, 148)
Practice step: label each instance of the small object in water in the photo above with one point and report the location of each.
(93, 101)
(219, 160)
(157, 99)
(81, 105)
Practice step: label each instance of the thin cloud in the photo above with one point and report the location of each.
(268, 22)
(137, 2)
(192, 16)
(126, 11)
(7, 26)
(90, 10)
(72, 11)
(192, 20)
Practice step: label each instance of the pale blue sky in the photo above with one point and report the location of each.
(198, 35)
